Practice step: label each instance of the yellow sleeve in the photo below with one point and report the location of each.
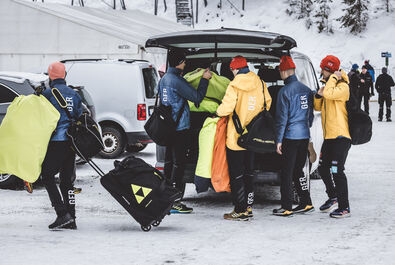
(228, 102)
(317, 103)
(268, 98)
(336, 91)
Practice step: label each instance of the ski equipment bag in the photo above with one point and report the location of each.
(259, 134)
(359, 122)
(141, 190)
(84, 132)
(161, 127)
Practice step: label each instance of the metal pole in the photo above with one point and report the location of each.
(197, 11)
(243, 5)
(156, 8)
(114, 6)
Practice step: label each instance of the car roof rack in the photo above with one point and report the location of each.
(102, 59)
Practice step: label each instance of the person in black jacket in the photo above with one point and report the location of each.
(383, 86)
(372, 73)
(365, 84)
(355, 80)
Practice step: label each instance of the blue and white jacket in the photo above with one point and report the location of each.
(175, 90)
(294, 111)
(74, 105)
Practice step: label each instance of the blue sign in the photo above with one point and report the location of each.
(386, 54)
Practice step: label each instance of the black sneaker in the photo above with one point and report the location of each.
(338, 213)
(71, 226)
(61, 221)
(303, 209)
(282, 212)
(243, 216)
(380, 119)
(179, 207)
(389, 120)
(329, 205)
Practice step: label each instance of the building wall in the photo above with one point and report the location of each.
(31, 39)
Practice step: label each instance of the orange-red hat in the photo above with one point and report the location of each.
(286, 63)
(238, 62)
(330, 63)
(56, 70)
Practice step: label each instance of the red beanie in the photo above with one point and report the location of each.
(56, 70)
(330, 63)
(238, 62)
(286, 63)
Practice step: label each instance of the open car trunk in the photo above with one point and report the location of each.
(214, 49)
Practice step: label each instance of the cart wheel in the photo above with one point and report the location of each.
(156, 223)
(146, 228)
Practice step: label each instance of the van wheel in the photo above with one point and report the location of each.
(134, 148)
(114, 143)
(8, 181)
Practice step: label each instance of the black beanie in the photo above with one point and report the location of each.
(384, 70)
(176, 57)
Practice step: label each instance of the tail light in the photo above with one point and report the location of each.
(141, 112)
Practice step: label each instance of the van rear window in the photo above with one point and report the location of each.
(150, 82)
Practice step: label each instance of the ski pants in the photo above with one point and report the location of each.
(331, 168)
(293, 160)
(385, 98)
(241, 165)
(365, 98)
(175, 161)
(60, 157)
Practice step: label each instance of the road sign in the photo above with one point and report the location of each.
(386, 54)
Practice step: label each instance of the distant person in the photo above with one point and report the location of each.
(372, 73)
(383, 86)
(246, 96)
(60, 156)
(331, 101)
(355, 80)
(294, 117)
(174, 92)
(365, 84)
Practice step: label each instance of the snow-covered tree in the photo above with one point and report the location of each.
(356, 15)
(322, 16)
(301, 9)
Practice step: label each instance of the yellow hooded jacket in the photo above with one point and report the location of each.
(333, 107)
(245, 95)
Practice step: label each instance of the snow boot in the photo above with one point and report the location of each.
(179, 207)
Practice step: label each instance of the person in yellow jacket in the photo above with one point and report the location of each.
(331, 101)
(244, 95)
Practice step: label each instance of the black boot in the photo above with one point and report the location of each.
(61, 221)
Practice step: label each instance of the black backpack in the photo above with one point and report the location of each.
(161, 127)
(84, 132)
(260, 135)
(359, 122)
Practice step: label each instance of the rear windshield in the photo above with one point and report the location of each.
(150, 82)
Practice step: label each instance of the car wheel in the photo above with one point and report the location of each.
(114, 143)
(8, 181)
(134, 148)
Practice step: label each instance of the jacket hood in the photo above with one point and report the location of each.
(246, 82)
(345, 76)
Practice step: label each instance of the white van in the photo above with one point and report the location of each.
(123, 92)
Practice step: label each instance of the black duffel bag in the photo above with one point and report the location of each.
(259, 134)
(359, 122)
(84, 132)
(161, 127)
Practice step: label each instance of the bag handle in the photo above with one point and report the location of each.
(62, 102)
(236, 119)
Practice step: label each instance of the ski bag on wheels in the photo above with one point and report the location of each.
(141, 190)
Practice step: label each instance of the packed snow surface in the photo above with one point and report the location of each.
(108, 235)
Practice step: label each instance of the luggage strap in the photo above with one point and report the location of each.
(62, 102)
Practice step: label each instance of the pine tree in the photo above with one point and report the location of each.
(322, 15)
(301, 9)
(356, 16)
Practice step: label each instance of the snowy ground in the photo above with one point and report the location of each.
(108, 235)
